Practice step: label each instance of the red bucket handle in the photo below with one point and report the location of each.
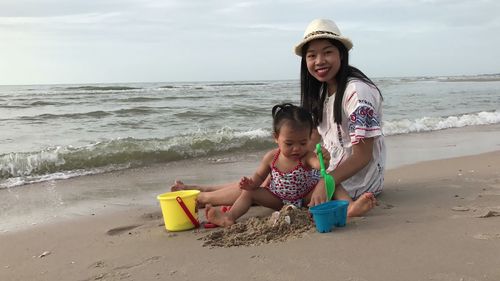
(187, 212)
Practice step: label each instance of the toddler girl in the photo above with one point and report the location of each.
(293, 168)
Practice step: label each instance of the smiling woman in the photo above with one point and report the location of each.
(347, 110)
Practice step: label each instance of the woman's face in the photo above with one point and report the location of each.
(323, 60)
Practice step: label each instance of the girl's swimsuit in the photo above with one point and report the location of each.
(292, 186)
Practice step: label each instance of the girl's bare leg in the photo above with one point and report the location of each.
(260, 196)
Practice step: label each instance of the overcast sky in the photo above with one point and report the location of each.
(113, 41)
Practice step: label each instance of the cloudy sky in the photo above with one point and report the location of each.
(113, 41)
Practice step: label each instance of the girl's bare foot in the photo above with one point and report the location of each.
(362, 205)
(216, 216)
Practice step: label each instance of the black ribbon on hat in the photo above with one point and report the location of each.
(320, 32)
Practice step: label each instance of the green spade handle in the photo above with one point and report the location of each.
(329, 181)
(320, 156)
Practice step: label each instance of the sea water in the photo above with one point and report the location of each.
(60, 131)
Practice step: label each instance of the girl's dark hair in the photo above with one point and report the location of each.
(298, 116)
(311, 98)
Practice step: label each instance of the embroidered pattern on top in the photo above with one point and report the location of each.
(364, 117)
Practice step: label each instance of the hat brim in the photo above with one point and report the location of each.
(344, 40)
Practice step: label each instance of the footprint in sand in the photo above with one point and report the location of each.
(384, 205)
(488, 213)
(387, 206)
(460, 209)
(98, 264)
(487, 236)
(121, 229)
(152, 216)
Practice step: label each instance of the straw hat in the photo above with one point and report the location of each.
(322, 29)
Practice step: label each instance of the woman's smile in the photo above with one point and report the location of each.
(322, 72)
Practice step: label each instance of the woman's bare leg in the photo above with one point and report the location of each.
(357, 207)
(362, 205)
(222, 196)
(179, 185)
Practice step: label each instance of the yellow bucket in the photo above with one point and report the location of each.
(175, 216)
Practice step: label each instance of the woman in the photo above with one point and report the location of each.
(347, 110)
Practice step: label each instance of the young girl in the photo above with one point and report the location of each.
(293, 168)
(347, 110)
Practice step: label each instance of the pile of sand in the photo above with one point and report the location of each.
(289, 222)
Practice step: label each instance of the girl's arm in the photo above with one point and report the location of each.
(260, 174)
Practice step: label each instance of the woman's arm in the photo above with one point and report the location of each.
(362, 154)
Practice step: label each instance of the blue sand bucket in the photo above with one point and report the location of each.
(330, 214)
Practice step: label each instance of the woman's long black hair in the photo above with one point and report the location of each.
(311, 98)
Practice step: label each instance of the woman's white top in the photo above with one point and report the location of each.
(361, 118)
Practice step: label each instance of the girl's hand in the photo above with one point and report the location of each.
(247, 184)
(318, 195)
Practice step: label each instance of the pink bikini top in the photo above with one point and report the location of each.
(294, 184)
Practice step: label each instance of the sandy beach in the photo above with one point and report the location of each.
(437, 219)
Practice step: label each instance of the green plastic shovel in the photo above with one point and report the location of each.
(329, 182)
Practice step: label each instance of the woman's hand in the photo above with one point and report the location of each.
(318, 195)
(326, 157)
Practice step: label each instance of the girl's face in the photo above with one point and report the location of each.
(323, 60)
(292, 141)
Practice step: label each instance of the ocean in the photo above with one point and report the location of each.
(51, 132)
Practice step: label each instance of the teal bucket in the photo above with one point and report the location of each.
(330, 214)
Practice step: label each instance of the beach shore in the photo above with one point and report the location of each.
(437, 219)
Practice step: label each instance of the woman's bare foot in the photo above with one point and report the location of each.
(362, 205)
(178, 185)
(216, 216)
